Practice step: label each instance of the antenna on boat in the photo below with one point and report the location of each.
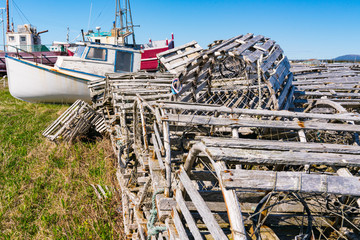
(126, 28)
(90, 15)
(3, 27)
(7, 16)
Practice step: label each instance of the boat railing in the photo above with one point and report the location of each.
(17, 54)
(38, 58)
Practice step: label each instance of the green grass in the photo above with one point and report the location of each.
(45, 190)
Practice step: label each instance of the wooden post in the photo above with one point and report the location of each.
(167, 157)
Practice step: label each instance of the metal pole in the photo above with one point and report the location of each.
(121, 16)
(132, 25)
(7, 16)
(3, 25)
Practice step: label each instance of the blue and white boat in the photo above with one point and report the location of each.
(67, 81)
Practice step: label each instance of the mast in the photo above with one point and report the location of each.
(126, 28)
(7, 16)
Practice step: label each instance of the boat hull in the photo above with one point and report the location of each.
(36, 83)
(46, 58)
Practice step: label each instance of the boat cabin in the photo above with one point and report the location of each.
(26, 38)
(99, 59)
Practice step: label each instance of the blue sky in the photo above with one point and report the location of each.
(304, 29)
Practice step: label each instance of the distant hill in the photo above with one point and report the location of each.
(350, 58)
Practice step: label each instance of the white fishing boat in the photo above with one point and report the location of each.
(67, 80)
(39, 83)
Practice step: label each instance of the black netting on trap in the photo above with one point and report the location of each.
(305, 216)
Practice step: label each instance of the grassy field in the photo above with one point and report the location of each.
(45, 190)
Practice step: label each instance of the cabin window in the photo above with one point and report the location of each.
(97, 40)
(123, 62)
(79, 51)
(11, 38)
(97, 54)
(22, 38)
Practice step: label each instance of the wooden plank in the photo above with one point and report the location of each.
(178, 225)
(328, 94)
(274, 83)
(167, 52)
(285, 91)
(235, 43)
(225, 43)
(157, 152)
(182, 55)
(268, 62)
(245, 143)
(167, 161)
(253, 56)
(326, 75)
(253, 122)
(233, 207)
(187, 215)
(346, 80)
(266, 46)
(282, 71)
(200, 204)
(248, 44)
(289, 103)
(344, 172)
(171, 230)
(265, 157)
(290, 182)
(158, 138)
(329, 87)
(256, 112)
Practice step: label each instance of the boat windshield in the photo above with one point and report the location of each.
(123, 62)
(79, 51)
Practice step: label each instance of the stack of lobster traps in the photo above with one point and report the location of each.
(338, 82)
(213, 152)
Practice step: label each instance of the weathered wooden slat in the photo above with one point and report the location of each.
(227, 42)
(187, 215)
(344, 172)
(233, 206)
(267, 63)
(249, 43)
(200, 204)
(228, 46)
(329, 94)
(290, 182)
(178, 224)
(269, 113)
(328, 87)
(265, 157)
(244, 143)
(253, 122)
(157, 152)
(282, 71)
(345, 80)
(326, 75)
(285, 91)
(184, 54)
(274, 83)
(266, 46)
(254, 56)
(173, 50)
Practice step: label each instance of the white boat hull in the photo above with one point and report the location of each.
(39, 83)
